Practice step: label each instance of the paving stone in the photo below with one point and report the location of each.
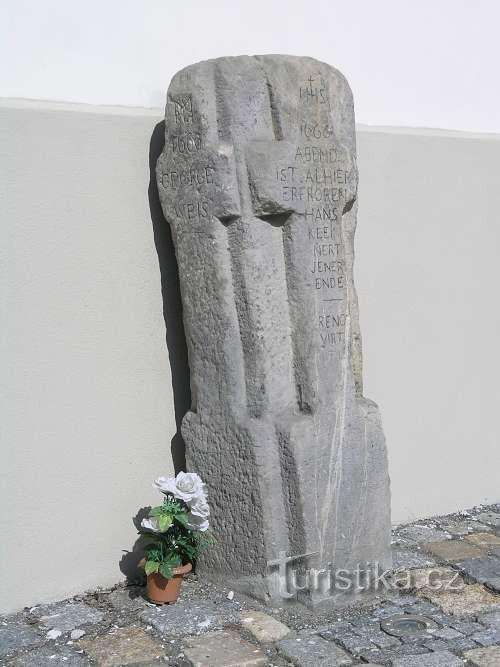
(452, 549)
(423, 607)
(386, 610)
(473, 599)
(351, 641)
(436, 645)
(263, 627)
(466, 627)
(374, 656)
(128, 599)
(487, 637)
(313, 652)
(484, 657)
(390, 656)
(491, 518)
(461, 528)
(438, 659)
(189, 617)
(15, 636)
(222, 649)
(484, 540)
(47, 655)
(446, 633)
(438, 578)
(66, 616)
(122, 646)
(460, 645)
(485, 570)
(419, 533)
(403, 559)
(492, 620)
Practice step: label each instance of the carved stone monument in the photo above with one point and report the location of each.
(258, 181)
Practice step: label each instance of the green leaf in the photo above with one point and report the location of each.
(167, 565)
(166, 569)
(164, 522)
(181, 518)
(151, 566)
(156, 511)
(154, 554)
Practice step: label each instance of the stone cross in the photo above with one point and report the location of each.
(258, 181)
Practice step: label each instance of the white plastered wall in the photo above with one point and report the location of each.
(87, 401)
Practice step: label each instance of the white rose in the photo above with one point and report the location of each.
(151, 523)
(199, 507)
(197, 522)
(187, 486)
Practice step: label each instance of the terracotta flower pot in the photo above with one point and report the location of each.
(161, 590)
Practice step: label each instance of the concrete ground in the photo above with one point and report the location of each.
(446, 588)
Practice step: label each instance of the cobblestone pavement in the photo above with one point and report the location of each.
(413, 623)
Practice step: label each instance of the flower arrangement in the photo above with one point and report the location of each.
(175, 530)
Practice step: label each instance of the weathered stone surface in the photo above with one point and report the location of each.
(491, 518)
(189, 618)
(405, 560)
(492, 619)
(453, 549)
(222, 649)
(48, 655)
(418, 533)
(15, 636)
(484, 540)
(473, 599)
(460, 528)
(66, 616)
(486, 570)
(263, 627)
(484, 657)
(438, 659)
(258, 181)
(487, 637)
(123, 646)
(313, 652)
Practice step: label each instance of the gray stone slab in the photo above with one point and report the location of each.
(419, 533)
(16, 636)
(262, 627)
(123, 646)
(48, 656)
(461, 528)
(487, 637)
(487, 541)
(492, 620)
(404, 559)
(189, 617)
(222, 649)
(484, 657)
(66, 616)
(490, 518)
(313, 652)
(438, 659)
(473, 599)
(452, 550)
(258, 182)
(486, 570)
